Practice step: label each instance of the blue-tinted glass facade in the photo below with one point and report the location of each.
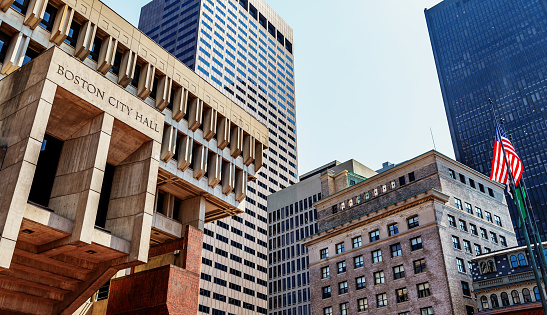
(495, 49)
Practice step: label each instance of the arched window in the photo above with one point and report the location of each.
(522, 260)
(516, 297)
(504, 299)
(526, 295)
(484, 268)
(484, 302)
(536, 294)
(514, 261)
(494, 301)
(491, 266)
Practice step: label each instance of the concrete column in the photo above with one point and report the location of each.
(240, 185)
(195, 114)
(224, 131)
(180, 103)
(85, 40)
(77, 186)
(127, 68)
(228, 178)
(249, 150)
(132, 197)
(61, 27)
(210, 123)
(23, 121)
(186, 146)
(146, 81)
(169, 143)
(259, 157)
(214, 169)
(192, 212)
(163, 96)
(200, 162)
(107, 54)
(6, 4)
(236, 142)
(16, 53)
(35, 13)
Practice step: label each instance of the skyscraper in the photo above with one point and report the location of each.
(495, 49)
(245, 50)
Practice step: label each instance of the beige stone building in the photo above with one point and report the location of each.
(114, 154)
(401, 241)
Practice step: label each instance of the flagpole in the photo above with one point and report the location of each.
(526, 237)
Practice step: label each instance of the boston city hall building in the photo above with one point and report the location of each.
(113, 155)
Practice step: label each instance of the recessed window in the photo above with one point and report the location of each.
(324, 253)
(376, 256)
(73, 33)
(503, 242)
(358, 262)
(467, 246)
(325, 272)
(423, 290)
(473, 229)
(344, 308)
(95, 50)
(481, 187)
(402, 295)
(488, 216)
(341, 267)
(456, 242)
(490, 192)
(468, 208)
(5, 40)
(451, 221)
(465, 289)
(374, 236)
(49, 17)
(29, 55)
(451, 173)
(360, 283)
(484, 234)
(396, 250)
(413, 222)
(458, 203)
(478, 250)
(498, 220)
(343, 287)
(460, 264)
(472, 183)
(493, 237)
(381, 300)
(20, 6)
(327, 311)
(416, 243)
(426, 311)
(262, 20)
(463, 226)
(379, 277)
(398, 272)
(356, 242)
(271, 29)
(419, 266)
(393, 229)
(411, 177)
(478, 211)
(362, 304)
(402, 181)
(326, 292)
(462, 178)
(253, 11)
(340, 248)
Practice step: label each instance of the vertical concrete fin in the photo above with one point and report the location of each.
(16, 53)
(214, 168)
(210, 123)
(127, 68)
(200, 162)
(236, 142)
(224, 131)
(180, 103)
(107, 54)
(35, 13)
(163, 96)
(248, 149)
(240, 185)
(61, 27)
(146, 81)
(195, 114)
(85, 40)
(169, 143)
(186, 145)
(6, 4)
(259, 157)
(228, 178)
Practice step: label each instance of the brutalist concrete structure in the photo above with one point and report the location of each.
(402, 241)
(114, 156)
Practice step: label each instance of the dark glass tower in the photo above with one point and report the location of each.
(495, 49)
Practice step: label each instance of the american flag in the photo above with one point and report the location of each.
(499, 167)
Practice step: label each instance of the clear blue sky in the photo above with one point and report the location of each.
(366, 83)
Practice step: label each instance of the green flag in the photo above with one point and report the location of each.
(521, 194)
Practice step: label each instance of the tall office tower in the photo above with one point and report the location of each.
(495, 49)
(245, 50)
(292, 217)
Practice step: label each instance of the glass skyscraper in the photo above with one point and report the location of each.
(245, 50)
(495, 49)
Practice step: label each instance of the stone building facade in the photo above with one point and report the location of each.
(401, 242)
(504, 283)
(114, 156)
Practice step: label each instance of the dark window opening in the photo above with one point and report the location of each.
(95, 50)
(44, 176)
(29, 55)
(262, 20)
(49, 17)
(271, 29)
(288, 45)
(103, 292)
(136, 76)
(191, 99)
(253, 11)
(411, 177)
(194, 156)
(171, 100)
(244, 4)
(490, 192)
(472, 183)
(160, 204)
(176, 208)
(462, 178)
(179, 139)
(280, 38)
(481, 187)
(73, 33)
(5, 40)
(104, 199)
(154, 91)
(402, 181)
(20, 6)
(117, 63)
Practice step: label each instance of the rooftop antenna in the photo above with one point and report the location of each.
(433, 139)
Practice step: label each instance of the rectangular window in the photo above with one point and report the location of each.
(398, 272)
(95, 50)
(358, 261)
(341, 267)
(419, 266)
(472, 183)
(356, 242)
(451, 173)
(376, 256)
(360, 283)
(396, 250)
(503, 242)
(463, 226)
(458, 203)
(327, 311)
(402, 295)
(343, 287)
(426, 311)
(490, 192)
(484, 234)
(479, 212)
(381, 300)
(393, 229)
(325, 272)
(493, 237)
(461, 266)
(451, 221)
(467, 246)
(468, 208)
(362, 304)
(379, 277)
(473, 229)
(324, 253)
(374, 236)
(477, 249)
(416, 243)
(20, 6)
(462, 178)
(340, 248)
(326, 292)
(49, 18)
(456, 242)
(402, 181)
(423, 290)
(465, 289)
(73, 33)
(411, 177)
(413, 222)
(488, 216)
(498, 220)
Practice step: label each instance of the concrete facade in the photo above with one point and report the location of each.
(291, 217)
(243, 48)
(115, 155)
(504, 282)
(408, 238)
